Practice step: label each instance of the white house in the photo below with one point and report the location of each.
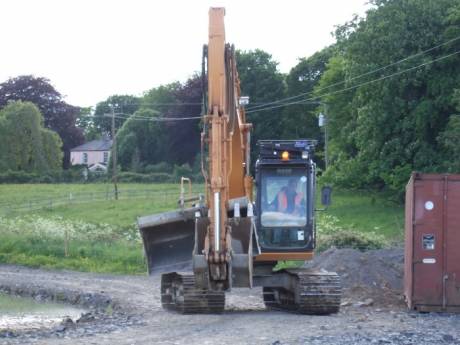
(95, 153)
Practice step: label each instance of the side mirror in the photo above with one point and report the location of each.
(326, 192)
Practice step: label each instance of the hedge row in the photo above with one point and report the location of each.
(63, 176)
(76, 176)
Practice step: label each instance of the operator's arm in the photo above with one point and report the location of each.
(299, 204)
(282, 201)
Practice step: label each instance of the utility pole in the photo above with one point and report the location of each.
(326, 160)
(114, 152)
(323, 122)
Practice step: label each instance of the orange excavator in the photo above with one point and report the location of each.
(228, 238)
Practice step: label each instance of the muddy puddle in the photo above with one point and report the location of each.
(20, 313)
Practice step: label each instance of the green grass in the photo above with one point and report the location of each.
(367, 212)
(110, 257)
(121, 213)
(89, 201)
(14, 193)
(360, 212)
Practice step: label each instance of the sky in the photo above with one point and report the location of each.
(91, 49)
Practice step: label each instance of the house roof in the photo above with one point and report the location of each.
(94, 145)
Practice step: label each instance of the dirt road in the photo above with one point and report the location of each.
(127, 311)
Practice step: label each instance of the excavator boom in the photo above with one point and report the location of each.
(170, 238)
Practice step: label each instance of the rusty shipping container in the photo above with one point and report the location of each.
(432, 243)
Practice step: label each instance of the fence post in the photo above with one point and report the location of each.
(66, 243)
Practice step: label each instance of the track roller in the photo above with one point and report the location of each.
(313, 292)
(179, 293)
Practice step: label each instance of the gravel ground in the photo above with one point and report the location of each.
(126, 310)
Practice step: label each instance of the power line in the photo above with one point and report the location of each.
(145, 118)
(356, 86)
(263, 106)
(177, 118)
(299, 101)
(166, 104)
(358, 76)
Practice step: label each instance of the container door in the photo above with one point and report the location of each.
(452, 244)
(427, 242)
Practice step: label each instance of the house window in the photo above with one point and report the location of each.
(85, 158)
(106, 157)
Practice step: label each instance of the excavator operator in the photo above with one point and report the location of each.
(288, 199)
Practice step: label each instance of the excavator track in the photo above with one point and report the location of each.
(314, 293)
(179, 294)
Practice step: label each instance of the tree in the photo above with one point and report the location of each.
(58, 115)
(383, 130)
(300, 120)
(145, 142)
(263, 83)
(85, 121)
(141, 140)
(449, 140)
(25, 144)
(124, 105)
(52, 149)
(184, 135)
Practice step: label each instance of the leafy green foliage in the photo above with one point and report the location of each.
(450, 139)
(382, 131)
(331, 233)
(123, 105)
(57, 114)
(147, 143)
(25, 144)
(300, 120)
(262, 82)
(141, 141)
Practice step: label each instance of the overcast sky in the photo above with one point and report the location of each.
(91, 49)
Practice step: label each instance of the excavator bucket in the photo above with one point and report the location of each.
(169, 239)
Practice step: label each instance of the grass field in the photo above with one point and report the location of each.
(100, 234)
(366, 212)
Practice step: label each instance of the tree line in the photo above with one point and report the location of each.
(403, 117)
(389, 87)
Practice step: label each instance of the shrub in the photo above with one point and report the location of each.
(330, 233)
(161, 177)
(59, 176)
(17, 177)
(182, 170)
(162, 167)
(43, 229)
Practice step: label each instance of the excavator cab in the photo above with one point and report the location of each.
(285, 178)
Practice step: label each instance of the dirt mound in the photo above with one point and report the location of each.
(376, 274)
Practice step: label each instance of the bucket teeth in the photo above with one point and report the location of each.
(315, 293)
(179, 293)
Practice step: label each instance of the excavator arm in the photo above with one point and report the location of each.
(217, 245)
(227, 136)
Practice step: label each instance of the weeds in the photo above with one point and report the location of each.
(57, 243)
(331, 233)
